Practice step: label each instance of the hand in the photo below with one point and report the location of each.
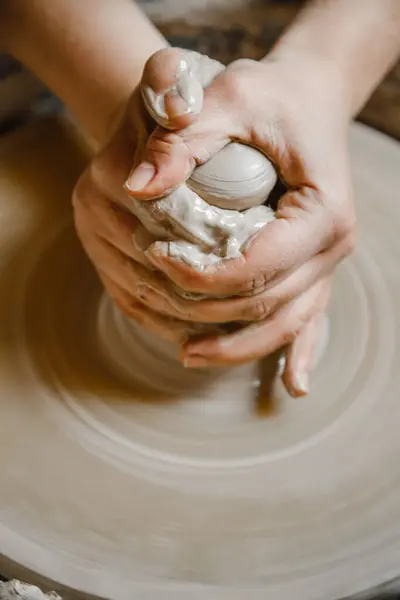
(296, 112)
(112, 236)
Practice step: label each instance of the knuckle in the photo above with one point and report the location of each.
(259, 310)
(236, 88)
(292, 328)
(289, 335)
(164, 142)
(245, 64)
(257, 283)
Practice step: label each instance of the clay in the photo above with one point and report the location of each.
(16, 590)
(221, 206)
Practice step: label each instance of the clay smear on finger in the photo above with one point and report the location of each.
(223, 203)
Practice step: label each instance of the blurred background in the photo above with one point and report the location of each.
(224, 29)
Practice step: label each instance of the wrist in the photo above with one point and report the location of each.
(98, 50)
(339, 32)
(315, 71)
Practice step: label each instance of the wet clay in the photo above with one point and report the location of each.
(16, 590)
(221, 206)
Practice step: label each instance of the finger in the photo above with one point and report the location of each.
(170, 156)
(284, 244)
(249, 308)
(111, 166)
(299, 358)
(256, 341)
(146, 287)
(94, 212)
(172, 85)
(168, 329)
(119, 267)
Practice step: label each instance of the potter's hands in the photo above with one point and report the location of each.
(112, 236)
(296, 112)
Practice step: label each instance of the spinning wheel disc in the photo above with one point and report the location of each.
(114, 494)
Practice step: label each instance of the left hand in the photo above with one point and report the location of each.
(296, 112)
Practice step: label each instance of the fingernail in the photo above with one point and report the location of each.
(301, 383)
(140, 177)
(195, 362)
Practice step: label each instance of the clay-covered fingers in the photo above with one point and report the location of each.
(252, 307)
(173, 83)
(130, 273)
(168, 329)
(303, 231)
(259, 339)
(111, 239)
(172, 86)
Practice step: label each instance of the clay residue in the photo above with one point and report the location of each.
(16, 590)
(186, 226)
(222, 205)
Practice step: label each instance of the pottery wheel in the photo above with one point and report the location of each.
(114, 493)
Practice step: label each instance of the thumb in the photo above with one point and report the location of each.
(192, 124)
(172, 85)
